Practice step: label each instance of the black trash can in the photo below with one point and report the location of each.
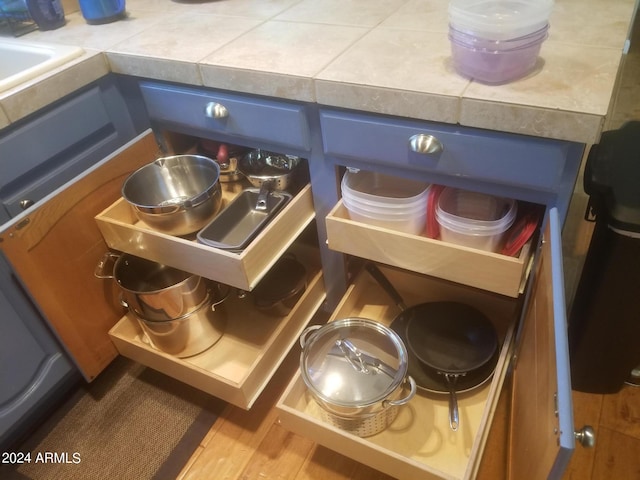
(604, 324)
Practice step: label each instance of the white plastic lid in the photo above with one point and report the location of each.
(376, 187)
(500, 19)
(474, 213)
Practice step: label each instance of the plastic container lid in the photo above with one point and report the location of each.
(473, 41)
(500, 19)
(475, 213)
(384, 190)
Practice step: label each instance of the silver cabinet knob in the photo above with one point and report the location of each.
(586, 436)
(216, 110)
(425, 144)
(26, 203)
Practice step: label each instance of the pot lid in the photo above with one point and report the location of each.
(353, 362)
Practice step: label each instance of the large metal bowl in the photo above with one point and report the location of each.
(177, 194)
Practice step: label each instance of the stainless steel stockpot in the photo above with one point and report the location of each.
(192, 333)
(152, 290)
(356, 370)
(177, 195)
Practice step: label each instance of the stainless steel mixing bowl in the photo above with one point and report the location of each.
(177, 194)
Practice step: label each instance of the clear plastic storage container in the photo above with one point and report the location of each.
(474, 219)
(386, 201)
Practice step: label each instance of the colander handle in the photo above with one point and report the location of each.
(412, 391)
(305, 334)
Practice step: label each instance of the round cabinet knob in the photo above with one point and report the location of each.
(26, 203)
(586, 436)
(426, 144)
(216, 110)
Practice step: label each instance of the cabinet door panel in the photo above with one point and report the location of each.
(542, 438)
(56, 247)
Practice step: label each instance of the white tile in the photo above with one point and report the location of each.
(366, 13)
(300, 49)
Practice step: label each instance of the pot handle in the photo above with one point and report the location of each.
(225, 295)
(410, 395)
(306, 332)
(107, 260)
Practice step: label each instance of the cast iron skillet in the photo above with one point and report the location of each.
(450, 339)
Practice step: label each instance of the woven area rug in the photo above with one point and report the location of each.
(130, 423)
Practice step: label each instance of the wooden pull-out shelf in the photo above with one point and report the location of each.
(486, 270)
(419, 443)
(238, 367)
(124, 232)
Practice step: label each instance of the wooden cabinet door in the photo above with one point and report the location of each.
(56, 247)
(541, 437)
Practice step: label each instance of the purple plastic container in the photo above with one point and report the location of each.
(495, 62)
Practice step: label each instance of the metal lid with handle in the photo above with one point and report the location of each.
(353, 362)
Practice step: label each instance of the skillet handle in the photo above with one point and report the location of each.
(384, 282)
(454, 415)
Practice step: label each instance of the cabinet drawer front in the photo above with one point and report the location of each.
(275, 122)
(485, 270)
(483, 155)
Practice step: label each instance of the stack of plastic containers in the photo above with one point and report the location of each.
(474, 219)
(497, 41)
(385, 201)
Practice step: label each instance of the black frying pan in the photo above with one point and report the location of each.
(450, 339)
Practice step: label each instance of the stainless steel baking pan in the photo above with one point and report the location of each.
(237, 224)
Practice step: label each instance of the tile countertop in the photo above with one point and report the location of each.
(385, 56)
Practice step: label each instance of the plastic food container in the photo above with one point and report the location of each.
(474, 219)
(386, 201)
(411, 222)
(495, 61)
(497, 41)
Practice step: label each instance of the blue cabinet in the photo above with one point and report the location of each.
(536, 358)
(44, 151)
(33, 366)
(525, 168)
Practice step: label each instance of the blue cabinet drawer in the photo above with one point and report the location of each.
(189, 109)
(501, 158)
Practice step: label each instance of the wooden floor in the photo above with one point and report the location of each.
(616, 419)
